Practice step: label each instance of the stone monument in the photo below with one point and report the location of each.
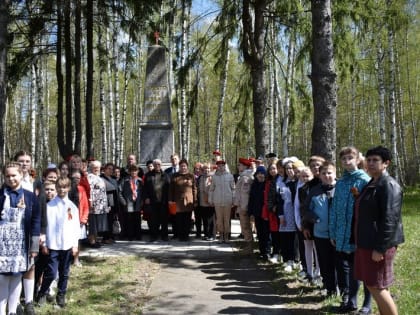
(156, 134)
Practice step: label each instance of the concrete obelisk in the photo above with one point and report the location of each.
(157, 135)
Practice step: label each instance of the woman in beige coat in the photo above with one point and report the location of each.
(221, 193)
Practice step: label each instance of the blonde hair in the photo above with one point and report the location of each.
(63, 182)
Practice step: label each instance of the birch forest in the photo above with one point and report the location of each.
(293, 77)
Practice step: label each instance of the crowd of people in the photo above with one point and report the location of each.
(334, 232)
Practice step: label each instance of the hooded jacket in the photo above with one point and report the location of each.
(341, 213)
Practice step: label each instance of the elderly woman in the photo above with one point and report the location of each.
(221, 193)
(183, 192)
(378, 229)
(98, 219)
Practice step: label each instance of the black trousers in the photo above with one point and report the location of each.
(287, 245)
(207, 214)
(183, 224)
(133, 225)
(326, 258)
(158, 220)
(263, 234)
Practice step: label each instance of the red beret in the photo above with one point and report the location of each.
(245, 162)
(217, 152)
(251, 159)
(220, 162)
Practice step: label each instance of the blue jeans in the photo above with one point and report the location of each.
(59, 260)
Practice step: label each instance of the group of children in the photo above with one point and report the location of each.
(291, 200)
(25, 238)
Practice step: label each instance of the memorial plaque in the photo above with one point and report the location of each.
(157, 135)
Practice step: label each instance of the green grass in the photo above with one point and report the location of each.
(104, 286)
(119, 285)
(406, 289)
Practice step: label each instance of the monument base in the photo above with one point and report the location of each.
(156, 143)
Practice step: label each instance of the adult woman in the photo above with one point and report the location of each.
(132, 190)
(183, 192)
(98, 220)
(64, 169)
(221, 193)
(378, 229)
(207, 211)
(20, 225)
(114, 197)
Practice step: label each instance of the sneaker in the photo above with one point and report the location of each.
(297, 266)
(303, 274)
(346, 308)
(61, 300)
(274, 259)
(19, 310)
(77, 264)
(289, 267)
(41, 299)
(29, 308)
(50, 298)
(364, 311)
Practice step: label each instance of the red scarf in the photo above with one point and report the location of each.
(133, 185)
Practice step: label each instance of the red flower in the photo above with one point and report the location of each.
(69, 216)
(355, 192)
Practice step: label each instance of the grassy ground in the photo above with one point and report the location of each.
(108, 286)
(119, 285)
(406, 289)
(304, 299)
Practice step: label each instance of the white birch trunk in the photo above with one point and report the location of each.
(183, 87)
(381, 92)
(353, 112)
(44, 153)
(102, 106)
(33, 110)
(117, 111)
(413, 122)
(288, 93)
(124, 102)
(47, 117)
(400, 120)
(110, 103)
(220, 108)
(277, 109)
(392, 106)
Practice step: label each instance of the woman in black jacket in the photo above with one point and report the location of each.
(378, 229)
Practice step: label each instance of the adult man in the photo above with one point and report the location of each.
(175, 165)
(131, 160)
(155, 194)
